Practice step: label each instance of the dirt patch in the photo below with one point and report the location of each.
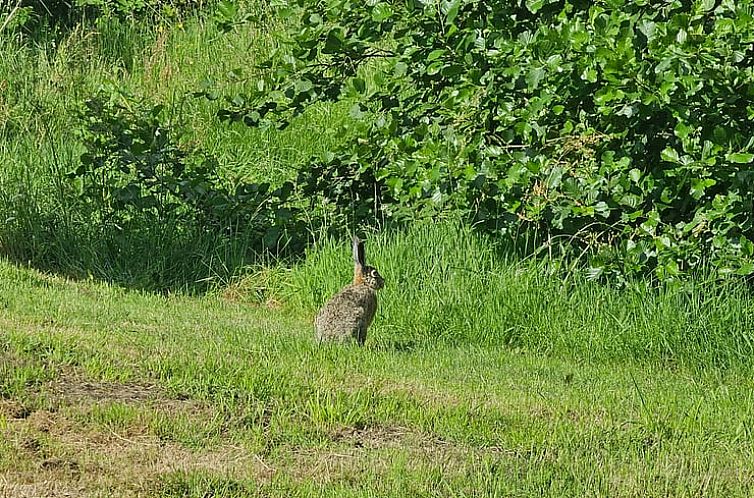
(12, 409)
(137, 465)
(373, 437)
(357, 453)
(131, 469)
(59, 448)
(404, 438)
(75, 389)
(39, 489)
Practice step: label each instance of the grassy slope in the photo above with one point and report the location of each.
(105, 390)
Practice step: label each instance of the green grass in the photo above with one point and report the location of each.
(484, 374)
(45, 77)
(447, 285)
(125, 392)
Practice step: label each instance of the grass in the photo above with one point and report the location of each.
(448, 285)
(106, 390)
(484, 374)
(45, 77)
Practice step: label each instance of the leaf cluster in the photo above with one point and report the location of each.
(138, 171)
(623, 128)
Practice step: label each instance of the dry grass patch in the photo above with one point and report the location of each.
(72, 388)
(79, 437)
(354, 453)
(57, 456)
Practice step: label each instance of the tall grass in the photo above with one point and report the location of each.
(45, 76)
(446, 284)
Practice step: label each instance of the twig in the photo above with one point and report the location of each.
(122, 438)
(259, 459)
(130, 441)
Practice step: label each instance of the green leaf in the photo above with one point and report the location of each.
(634, 175)
(227, 9)
(670, 155)
(699, 185)
(303, 85)
(333, 42)
(682, 130)
(382, 12)
(356, 112)
(746, 268)
(602, 209)
(435, 54)
(594, 272)
(740, 157)
(535, 5)
(452, 70)
(450, 9)
(360, 85)
(647, 28)
(434, 68)
(590, 75)
(534, 76)
(400, 69)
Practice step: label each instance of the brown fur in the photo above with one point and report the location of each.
(358, 276)
(350, 312)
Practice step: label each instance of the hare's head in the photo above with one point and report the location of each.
(372, 278)
(363, 274)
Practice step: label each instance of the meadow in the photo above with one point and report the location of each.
(157, 364)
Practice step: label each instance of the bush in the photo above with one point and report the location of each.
(136, 167)
(30, 14)
(145, 208)
(620, 127)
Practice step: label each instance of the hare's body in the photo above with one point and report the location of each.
(349, 313)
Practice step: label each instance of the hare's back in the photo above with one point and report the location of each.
(346, 313)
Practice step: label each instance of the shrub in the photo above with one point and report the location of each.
(620, 127)
(138, 181)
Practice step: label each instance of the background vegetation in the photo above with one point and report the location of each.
(620, 127)
(614, 134)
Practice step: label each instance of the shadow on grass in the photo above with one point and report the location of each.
(163, 258)
(398, 345)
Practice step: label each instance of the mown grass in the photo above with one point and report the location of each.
(106, 390)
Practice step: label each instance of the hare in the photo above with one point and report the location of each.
(349, 313)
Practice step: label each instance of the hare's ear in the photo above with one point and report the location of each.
(359, 257)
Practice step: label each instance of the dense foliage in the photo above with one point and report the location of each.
(136, 172)
(620, 127)
(32, 12)
(615, 131)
